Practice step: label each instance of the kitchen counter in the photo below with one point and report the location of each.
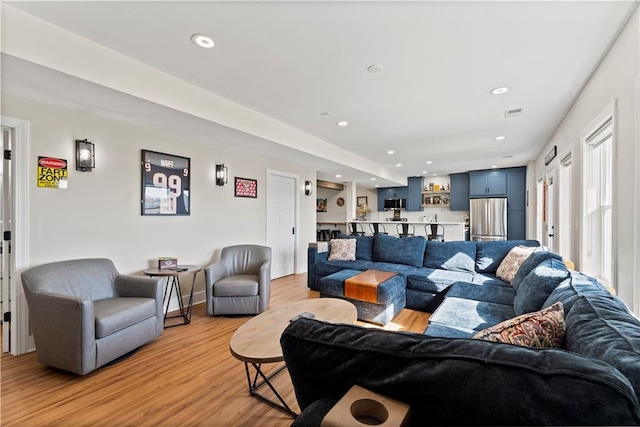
(453, 230)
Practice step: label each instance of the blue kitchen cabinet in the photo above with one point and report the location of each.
(459, 191)
(414, 193)
(487, 183)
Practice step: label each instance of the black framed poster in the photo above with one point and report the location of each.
(165, 184)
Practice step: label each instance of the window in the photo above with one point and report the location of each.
(564, 230)
(597, 205)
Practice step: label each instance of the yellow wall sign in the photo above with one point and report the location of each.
(52, 172)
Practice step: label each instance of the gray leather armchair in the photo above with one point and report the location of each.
(240, 282)
(84, 314)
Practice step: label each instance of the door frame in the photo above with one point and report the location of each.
(296, 214)
(21, 340)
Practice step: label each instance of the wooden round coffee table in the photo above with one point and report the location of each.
(258, 341)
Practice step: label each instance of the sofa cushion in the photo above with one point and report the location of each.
(364, 246)
(530, 263)
(576, 286)
(470, 314)
(342, 250)
(538, 285)
(240, 285)
(456, 381)
(598, 327)
(405, 250)
(456, 256)
(512, 262)
(487, 293)
(489, 279)
(541, 329)
(438, 330)
(325, 268)
(435, 280)
(490, 254)
(114, 314)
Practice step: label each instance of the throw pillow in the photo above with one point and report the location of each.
(541, 329)
(511, 263)
(342, 250)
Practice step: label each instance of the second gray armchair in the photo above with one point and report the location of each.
(240, 282)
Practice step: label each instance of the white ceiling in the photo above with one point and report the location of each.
(304, 64)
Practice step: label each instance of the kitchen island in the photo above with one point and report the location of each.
(453, 231)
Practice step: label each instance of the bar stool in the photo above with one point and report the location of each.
(334, 233)
(377, 228)
(356, 229)
(434, 232)
(323, 234)
(405, 230)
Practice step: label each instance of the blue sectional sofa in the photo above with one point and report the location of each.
(429, 267)
(448, 377)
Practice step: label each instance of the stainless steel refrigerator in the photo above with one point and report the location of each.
(488, 219)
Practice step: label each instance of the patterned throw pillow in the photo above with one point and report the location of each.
(342, 250)
(544, 328)
(511, 263)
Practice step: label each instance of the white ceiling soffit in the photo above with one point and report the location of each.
(288, 71)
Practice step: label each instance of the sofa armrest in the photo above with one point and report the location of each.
(456, 381)
(213, 273)
(64, 331)
(315, 253)
(138, 286)
(264, 285)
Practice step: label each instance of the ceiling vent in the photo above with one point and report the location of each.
(507, 157)
(513, 113)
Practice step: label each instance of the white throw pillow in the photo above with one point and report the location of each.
(343, 250)
(512, 262)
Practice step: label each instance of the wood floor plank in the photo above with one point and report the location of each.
(186, 377)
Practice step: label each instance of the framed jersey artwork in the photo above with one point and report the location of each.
(165, 184)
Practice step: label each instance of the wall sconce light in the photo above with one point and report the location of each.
(85, 156)
(222, 174)
(308, 188)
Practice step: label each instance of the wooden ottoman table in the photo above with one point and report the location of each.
(378, 295)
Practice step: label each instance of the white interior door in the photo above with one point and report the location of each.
(5, 231)
(281, 222)
(550, 225)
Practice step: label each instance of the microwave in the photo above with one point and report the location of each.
(394, 204)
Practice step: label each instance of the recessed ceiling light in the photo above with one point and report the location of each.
(429, 162)
(373, 179)
(390, 152)
(338, 176)
(500, 138)
(203, 41)
(499, 90)
(342, 123)
(375, 68)
(494, 166)
(425, 172)
(399, 164)
(435, 174)
(377, 185)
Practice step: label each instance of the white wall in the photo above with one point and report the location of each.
(99, 214)
(613, 80)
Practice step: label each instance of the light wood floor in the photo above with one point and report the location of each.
(185, 377)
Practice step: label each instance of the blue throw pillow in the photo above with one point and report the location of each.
(490, 254)
(530, 263)
(364, 246)
(600, 328)
(538, 285)
(457, 256)
(399, 250)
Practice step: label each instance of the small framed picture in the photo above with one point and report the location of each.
(321, 205)
(246, 187)
(362, 201)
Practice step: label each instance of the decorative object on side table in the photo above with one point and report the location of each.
(246, 187)
(166, 188)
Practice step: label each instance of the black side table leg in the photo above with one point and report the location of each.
(257, 383)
